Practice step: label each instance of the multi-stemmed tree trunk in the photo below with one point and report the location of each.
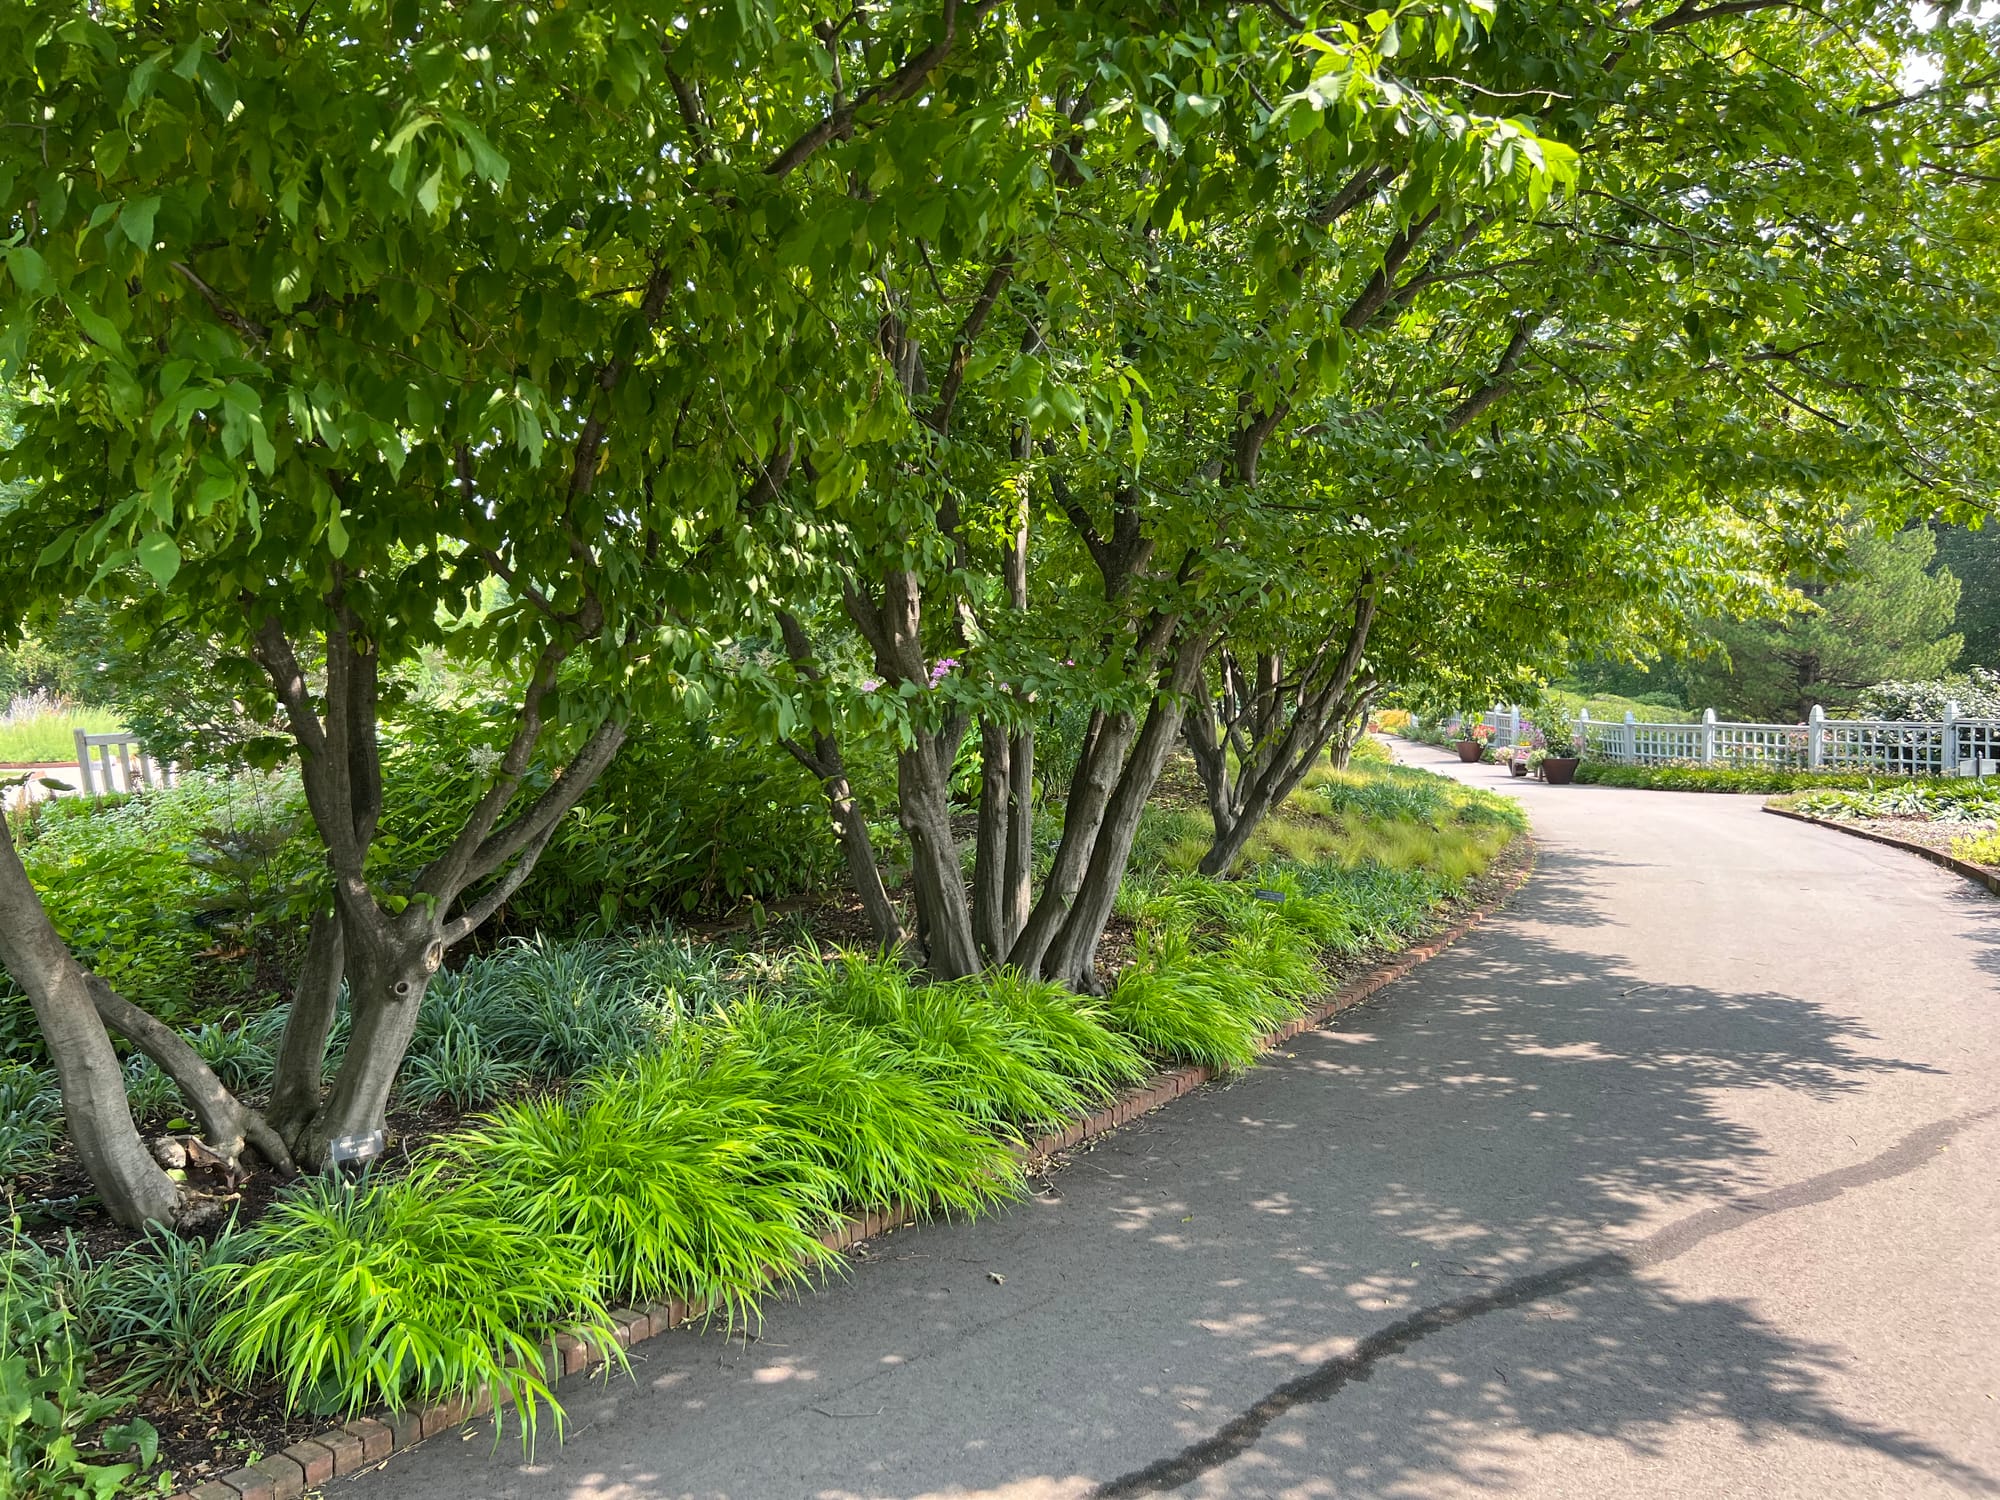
(388, 950)
(385, 950)
(1255, 738)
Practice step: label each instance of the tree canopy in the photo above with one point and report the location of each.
(928, 370)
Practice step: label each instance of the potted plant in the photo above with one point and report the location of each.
(1473, 745)
(1559, 757)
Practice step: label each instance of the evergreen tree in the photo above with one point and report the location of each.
(1887, 616)
(1973, 557)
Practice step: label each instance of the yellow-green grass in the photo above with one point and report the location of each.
(1369, 813)
(50, 738)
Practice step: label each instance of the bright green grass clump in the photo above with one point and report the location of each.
(1000, 1049)
(846, 1097)
(408, 1291)
(678, 1192)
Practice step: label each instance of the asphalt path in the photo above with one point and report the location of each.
(1679, 1177)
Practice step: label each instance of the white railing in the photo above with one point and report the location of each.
(119, 764)
(1951, 746)
(1505, 724)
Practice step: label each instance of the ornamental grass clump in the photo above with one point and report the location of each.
(991, 1061)
(1176, 1004)
(409, 1291)
(844, 1094)
(1071, 1034)
(698, 1193)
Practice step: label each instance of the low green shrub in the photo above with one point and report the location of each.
(133, 889)
(407, 1291)
(1721, 778)
(1979, 848)
(1935, 802)
(686, 819)
(58, 1436)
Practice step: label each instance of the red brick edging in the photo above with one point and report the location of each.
(365, 1442)
(1975, 873)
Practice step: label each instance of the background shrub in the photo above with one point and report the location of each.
(1724, 779)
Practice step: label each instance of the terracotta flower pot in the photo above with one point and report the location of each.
(1559, 770)
(1470, 750)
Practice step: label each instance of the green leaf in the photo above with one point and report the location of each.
(29, 270)
(135, 220)
(159, 556)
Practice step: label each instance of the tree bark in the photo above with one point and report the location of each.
(300, 1076)
(1072, 957)
(227, 1123)
(989, 863)
(1020, 836)
(827, 763)
(924, 806)
(390, 964)
(98, 1117)
(1099, 760)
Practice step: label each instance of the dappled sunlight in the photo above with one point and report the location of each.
(1448, 1216)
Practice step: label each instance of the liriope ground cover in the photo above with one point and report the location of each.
(666, 1120)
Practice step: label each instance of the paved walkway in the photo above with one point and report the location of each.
(1682, 1177)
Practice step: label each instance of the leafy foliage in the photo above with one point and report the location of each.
(1934, 802)
(30, 1115)
(1884, 616)
(1976, 692)
(1980, 848)
(139, 892)
(153, 1308)
(57, 1437)
(406, 1291)
(1694, 778)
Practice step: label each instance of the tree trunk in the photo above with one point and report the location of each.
(924, 806)
(1072, 957)
(1020, 836)
(989, 863)
(1098, 763)
(862, 868)
(300, 1076)
(389, 968)
(227, 1123)
(95, 1109)
(827, 763)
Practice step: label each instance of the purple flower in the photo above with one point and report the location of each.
(942, 670)
(869, 684)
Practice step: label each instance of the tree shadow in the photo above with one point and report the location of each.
(1490, 1146)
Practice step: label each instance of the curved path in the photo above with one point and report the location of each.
(1680, 1177)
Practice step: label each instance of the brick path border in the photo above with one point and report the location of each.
(367, 1441)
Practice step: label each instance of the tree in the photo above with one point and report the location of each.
(326, 317)
(1883, 616)
(1972, 556)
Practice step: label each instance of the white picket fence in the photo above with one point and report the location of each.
(1951, 746)
(107, 763)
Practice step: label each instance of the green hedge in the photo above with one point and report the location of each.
(1732, 779)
